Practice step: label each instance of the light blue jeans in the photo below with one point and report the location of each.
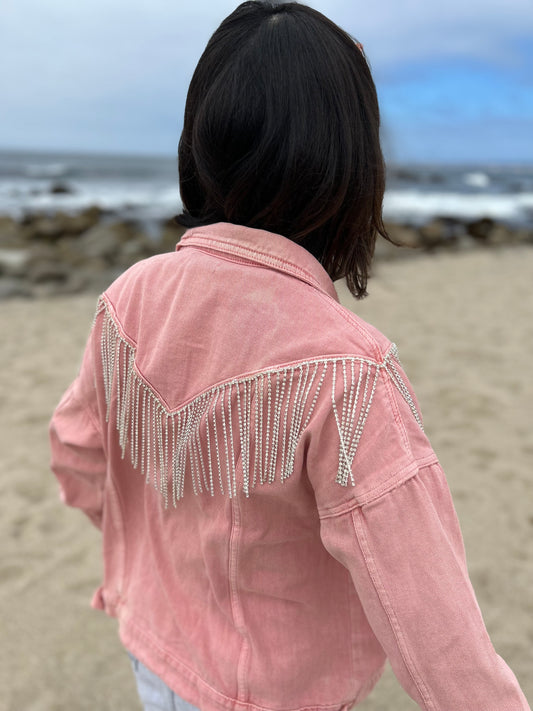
(154, 694)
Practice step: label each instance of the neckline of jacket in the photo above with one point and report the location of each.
(261, 247)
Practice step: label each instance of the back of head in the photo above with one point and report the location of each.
(281, 133)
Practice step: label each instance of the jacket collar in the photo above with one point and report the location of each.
(261, 247)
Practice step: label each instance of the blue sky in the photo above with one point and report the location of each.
(455, 79)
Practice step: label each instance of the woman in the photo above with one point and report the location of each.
(275, 522)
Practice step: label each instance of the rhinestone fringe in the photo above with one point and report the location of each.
(252, 424)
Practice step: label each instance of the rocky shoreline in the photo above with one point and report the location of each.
(49, 254)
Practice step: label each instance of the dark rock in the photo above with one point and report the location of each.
(93, 266)
(523, 236)
(40, 252)
(83, 221)
(480, 229)
(10, 232)
(404, 174)
(405, 244)
(386, 251)
(75, 284)
(440, 232)
(97, 280)
(465, 242)
(14, 262)
(435, 178)
(105, 241)
(42, 227)
(404, 235)
(137, 248)
(67, 250)
(171, 233)
(47, 271)
(501, 235)
(53, 227)
(76, 224)
(63, 253)
(120, 244)
(11, 288)
(60, 188)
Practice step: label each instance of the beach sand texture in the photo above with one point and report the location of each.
(463, 324)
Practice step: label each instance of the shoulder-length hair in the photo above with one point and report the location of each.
(281, 133)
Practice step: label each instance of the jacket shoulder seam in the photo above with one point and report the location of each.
(372, 495)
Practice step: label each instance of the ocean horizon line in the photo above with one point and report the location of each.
(156, 155)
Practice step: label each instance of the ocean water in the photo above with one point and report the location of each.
(417, 194)
(146, 188)
(140, 188)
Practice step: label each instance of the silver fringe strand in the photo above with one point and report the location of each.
(253, 423)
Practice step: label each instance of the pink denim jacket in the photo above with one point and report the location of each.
(275, 522)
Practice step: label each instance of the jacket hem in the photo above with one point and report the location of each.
(191, 687)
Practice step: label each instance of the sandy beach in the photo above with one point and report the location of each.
(464, 328)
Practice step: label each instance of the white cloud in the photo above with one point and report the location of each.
(394, 29)
(61, 60)
(399, 30)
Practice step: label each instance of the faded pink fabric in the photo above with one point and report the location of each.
(287, 526)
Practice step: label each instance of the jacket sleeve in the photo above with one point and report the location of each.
(405, 554)
(77, 451)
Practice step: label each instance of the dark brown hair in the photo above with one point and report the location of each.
(281, 133)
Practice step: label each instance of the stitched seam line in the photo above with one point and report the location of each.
(231, 258)
(128, 341)
(372, 495)
(193, 677)
(396, 412)
(381, 363)
(236, 607)
(353, 321)
(349, 587)
(288, 266)
(105, 305)
(291, 268)
(389, 611)
(88, 409)
(165, 443)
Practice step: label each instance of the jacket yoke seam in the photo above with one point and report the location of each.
(129, 342)
(167, 452)
(276, 367)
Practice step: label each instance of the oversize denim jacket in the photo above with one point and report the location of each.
(275, 522)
